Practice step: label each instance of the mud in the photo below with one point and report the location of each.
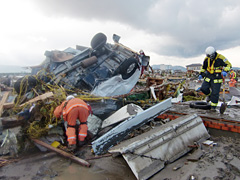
(49, 165)
(218, 162)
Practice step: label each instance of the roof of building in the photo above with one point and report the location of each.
(193, 65)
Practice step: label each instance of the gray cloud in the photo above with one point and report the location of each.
(191, 25)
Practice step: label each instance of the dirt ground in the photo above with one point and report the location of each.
(218, 162)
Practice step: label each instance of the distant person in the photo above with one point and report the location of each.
(214, 69)
(145, 62)
(233, 78)
(71, 110)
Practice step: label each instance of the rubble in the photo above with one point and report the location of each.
(122, 114)
(118, 133)
(128, 104)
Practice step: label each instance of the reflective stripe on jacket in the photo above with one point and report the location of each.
(216, 65)
(213, 68)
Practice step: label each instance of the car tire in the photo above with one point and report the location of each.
(98, 41)
(127, 68)
(200, 105)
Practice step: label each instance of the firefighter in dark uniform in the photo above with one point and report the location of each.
(214, 69)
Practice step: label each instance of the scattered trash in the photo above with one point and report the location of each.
(209, 143)
(55, 144)
(178, 166)
(193, 177)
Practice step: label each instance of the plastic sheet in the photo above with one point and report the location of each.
(116, 85)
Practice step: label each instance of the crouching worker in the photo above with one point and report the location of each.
(71, 110)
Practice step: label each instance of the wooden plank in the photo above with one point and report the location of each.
(8, 105)
(4, 99)
(11, 122)
(41, 97)
(62, 153)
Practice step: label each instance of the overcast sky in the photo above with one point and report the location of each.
(174, 32)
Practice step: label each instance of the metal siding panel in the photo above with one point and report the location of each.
(162, 144)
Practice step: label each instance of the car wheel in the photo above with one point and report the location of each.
(127, 68)
(98, 41)
(200, 105)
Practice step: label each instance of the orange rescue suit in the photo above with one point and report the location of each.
(232, 82)
(73, 110)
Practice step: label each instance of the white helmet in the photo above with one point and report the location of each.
(70, 97)
(210, 52)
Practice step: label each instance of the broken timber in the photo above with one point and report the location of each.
(118, 133)
(11, 122)
(149, 152)
(62, 153)
(8, 105)
(41, 97)
(4, 99)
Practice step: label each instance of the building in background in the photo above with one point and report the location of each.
(193, 69)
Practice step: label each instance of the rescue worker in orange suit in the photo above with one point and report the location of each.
(233, 76)
(71, 110)
(214, 69)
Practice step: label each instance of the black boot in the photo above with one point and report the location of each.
(81, 143)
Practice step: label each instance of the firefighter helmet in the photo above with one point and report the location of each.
(210, 52)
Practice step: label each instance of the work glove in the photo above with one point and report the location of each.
(224, 73)
(200, 77)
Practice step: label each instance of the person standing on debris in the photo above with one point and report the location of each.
(71, 110)
(214, 69)
(233, 78)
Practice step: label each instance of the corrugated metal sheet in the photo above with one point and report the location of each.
(148, 153)
(118, 133)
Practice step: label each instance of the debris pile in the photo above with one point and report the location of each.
(126, 101)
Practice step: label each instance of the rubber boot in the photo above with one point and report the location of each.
(81, 143)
